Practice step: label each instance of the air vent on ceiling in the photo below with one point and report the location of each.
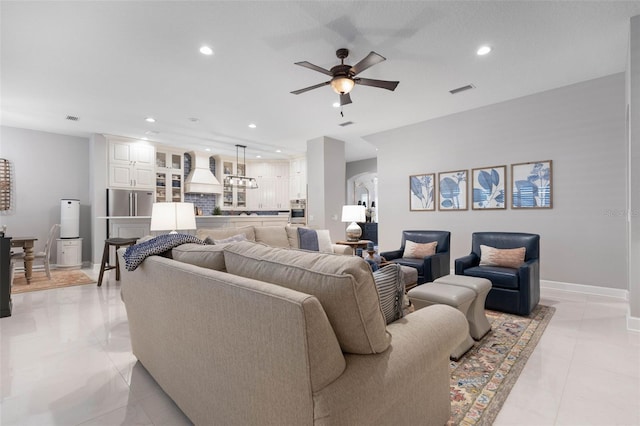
(72, 118)
(462, 89)
(345, 124)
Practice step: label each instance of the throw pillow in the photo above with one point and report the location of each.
(308, 239)
(390, 285)
(508, 258)
(419, 250)
(324, 241)
(232, 239)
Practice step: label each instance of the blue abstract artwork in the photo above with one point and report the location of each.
(452, 190)
(422, 192)
(489, 188)
(531, 187)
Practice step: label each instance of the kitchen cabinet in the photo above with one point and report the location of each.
(298, 178)
(131, 164)
(273, 186)
(169, 176)
(233, 197)
(69, 253)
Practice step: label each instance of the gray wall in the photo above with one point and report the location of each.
(48, 167)
(580, 127)
(633, 133)
(354, 168)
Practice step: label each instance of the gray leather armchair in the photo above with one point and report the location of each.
(514, 290)
(430, 267)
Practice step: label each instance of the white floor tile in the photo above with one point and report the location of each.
(66, 359)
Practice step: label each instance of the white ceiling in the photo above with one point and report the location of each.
(114, 63)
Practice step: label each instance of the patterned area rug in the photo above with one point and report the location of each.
(39, 281)
(482, 379)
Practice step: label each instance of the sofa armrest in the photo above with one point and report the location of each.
(529, 277)
(341, 249)
(407, 383)
(465, 262)
(390, 255)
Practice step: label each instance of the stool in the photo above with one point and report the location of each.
(478, 323)
(117, 243)
(454, 296)
(410, 277)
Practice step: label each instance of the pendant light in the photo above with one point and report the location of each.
(237, 180)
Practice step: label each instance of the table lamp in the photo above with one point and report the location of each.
(353, 214)
(172, 216)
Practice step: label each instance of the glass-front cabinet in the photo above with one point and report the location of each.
(232, 196)
(169, 182)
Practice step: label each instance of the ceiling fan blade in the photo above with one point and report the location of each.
(306, 89)
(370, 60)
(383, 84)
(345, 99)
(313, 67)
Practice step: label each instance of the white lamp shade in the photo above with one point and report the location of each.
(353, 213)
(172, 216)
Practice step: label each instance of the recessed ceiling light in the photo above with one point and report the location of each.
(336, 105)
(145, 138)
(258, 156)
(253, 126)
(150, 120)
(483, 50)
(207, 149)
(278, 150)
(206, 50)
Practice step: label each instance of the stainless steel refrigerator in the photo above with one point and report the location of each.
(125, 202)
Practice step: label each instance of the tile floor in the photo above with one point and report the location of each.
(65, 359)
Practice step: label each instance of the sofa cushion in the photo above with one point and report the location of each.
(292, 236)
(390, 284)
(221, 233)
(232, 239)
(274, 236)
(419, 250)
(508, 258)
(206, 256)
(344, 286)
(499, 276)
(324, 241)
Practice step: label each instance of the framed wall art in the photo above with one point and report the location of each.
(452, 190)
(531, 185)
(422, 192)
(489, 188)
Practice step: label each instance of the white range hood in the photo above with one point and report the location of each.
(200, 179)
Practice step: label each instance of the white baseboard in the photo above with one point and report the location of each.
(586, 289)
(633, 323)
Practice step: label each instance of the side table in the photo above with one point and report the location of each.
(354, 244)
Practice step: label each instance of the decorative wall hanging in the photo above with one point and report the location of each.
(422, 192)
(531, 185)
(6, 186)
(489, 188)
(452, 190)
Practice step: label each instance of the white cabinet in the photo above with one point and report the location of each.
(169, 176)
(273, 186)
(232, 197)
(131, 164)
(298, 178)
(69, 253)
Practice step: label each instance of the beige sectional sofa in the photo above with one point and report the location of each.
(285, 337)
(274, 236)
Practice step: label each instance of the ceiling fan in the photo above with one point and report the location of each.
(343, 77)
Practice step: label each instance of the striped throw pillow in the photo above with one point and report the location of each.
(508, 258)
(390, 285)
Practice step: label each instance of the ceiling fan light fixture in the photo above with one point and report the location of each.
(342, 85)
